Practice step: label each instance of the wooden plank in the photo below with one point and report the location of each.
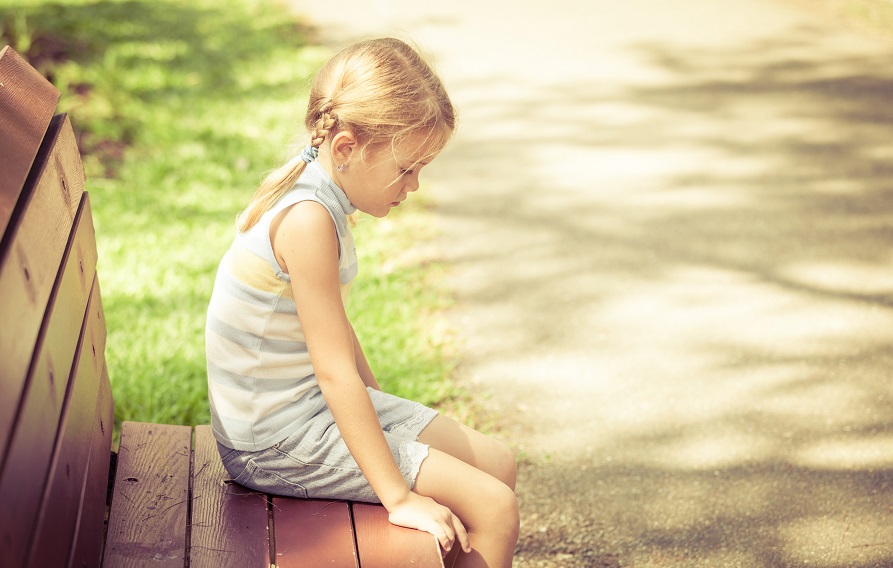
(31, 447)
(27, 103)
(91, 524)
(148, 519)
(229, 522)
(31, 262)
(309, 533)
(382, 545)
(60, 507)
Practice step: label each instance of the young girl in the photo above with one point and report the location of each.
(295, 408)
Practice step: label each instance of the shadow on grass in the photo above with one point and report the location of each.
(188, 38)
(158, 53)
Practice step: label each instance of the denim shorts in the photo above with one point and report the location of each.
(314, 461)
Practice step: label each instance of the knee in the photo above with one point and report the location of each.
(505, 516)
(512, 515)
(505, 466)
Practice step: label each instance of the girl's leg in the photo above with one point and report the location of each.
(485, 505)
(483, 452)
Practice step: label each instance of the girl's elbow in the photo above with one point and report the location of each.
(332, 377)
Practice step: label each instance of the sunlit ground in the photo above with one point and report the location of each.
(672, 230)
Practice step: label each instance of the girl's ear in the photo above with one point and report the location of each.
(343, 146)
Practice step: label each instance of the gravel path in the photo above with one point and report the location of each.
(670, 226)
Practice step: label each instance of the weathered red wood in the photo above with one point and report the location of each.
(31, 447)
(148, 519)
(91, 525)
(60, 507)
(31, 262)
(382, 545)
(27, 103)
(310, 533)
(229, 522)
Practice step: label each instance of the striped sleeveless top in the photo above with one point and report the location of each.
(261, 384)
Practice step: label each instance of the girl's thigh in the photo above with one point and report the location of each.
(470, 446)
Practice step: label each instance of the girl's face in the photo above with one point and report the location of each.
(379, 179)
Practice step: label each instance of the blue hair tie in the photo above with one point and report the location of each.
(309, 153)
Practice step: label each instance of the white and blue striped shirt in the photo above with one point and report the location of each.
(261, 384)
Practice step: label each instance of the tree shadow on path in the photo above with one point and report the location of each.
(713, 250)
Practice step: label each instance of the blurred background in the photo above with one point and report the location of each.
(656, 259)
(180, 109)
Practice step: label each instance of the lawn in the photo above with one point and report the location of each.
(180, 109)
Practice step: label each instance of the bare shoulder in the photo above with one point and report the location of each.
(305, 216)
(304, 231)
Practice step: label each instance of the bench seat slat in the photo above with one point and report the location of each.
(229, 522)
(31, 447)
(312, 532)
(62, 500)
(148, 518)
(31, 262)
(382, 545)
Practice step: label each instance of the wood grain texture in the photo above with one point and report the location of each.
(27, 103)
(383, 545)
(31, 262)
(310, 533)
(88, 539)
(60, 507)
(229, 522)
(31, 446)
(148, 520)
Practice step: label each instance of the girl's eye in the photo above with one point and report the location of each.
(405, 172)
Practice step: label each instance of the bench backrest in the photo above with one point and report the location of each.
(56, 403)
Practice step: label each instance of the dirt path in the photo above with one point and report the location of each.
(671, 227)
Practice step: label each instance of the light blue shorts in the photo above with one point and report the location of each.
(314, 461)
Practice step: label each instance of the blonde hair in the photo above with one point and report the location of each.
(382, 91)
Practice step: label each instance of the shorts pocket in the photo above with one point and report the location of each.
(260, 479)
(233, 460)
(225, 452)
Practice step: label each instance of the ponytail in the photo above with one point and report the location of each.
(278, 182)
(274, 186)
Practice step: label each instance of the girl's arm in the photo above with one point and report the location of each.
(306, 245)
(362, 365)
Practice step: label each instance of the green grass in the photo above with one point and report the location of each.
(180, 108)
(397, 303)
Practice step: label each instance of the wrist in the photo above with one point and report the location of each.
(395, 497)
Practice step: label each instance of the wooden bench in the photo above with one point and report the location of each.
(166, 500)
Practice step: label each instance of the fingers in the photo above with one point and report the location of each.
(443, 528)
(451, 530)
(461, 534)
(425, 514)
(445, 536)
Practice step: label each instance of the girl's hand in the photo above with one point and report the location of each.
(425, 514)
